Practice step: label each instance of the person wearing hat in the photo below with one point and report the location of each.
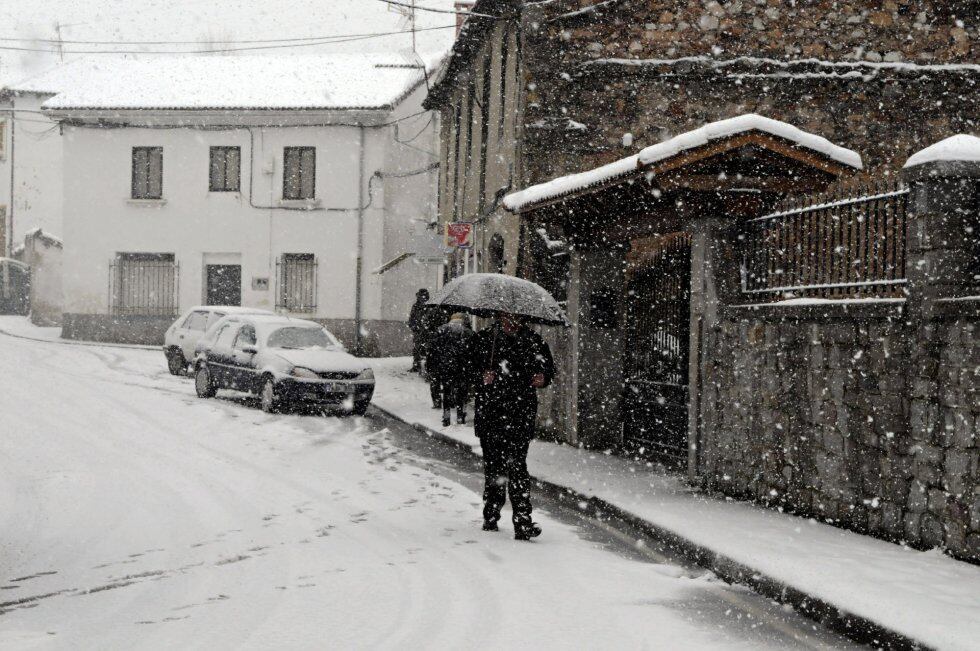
(417, 324)
(448, 367)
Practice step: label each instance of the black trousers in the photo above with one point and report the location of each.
(505, 471)
(418, 350)
(449, 394)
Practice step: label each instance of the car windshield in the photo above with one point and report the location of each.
(300, 337)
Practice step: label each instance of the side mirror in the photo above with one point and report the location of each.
(251, 350)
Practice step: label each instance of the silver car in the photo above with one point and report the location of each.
(286, 362)
(181, 337)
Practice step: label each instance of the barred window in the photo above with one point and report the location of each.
(147, 172)
(299, 172)
(226, 163)
(297, 282)
(144, 284)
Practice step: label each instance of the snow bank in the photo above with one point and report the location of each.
(961, 147)
(655, 153)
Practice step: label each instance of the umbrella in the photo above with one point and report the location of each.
(491, 294)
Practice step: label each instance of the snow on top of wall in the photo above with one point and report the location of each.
(327, 81)
(50, 239)
(961, 147)
(871, 66)
(689, 140)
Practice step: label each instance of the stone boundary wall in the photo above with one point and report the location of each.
(852, 415)
(863, 413)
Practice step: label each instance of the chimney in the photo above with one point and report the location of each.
(462, 5)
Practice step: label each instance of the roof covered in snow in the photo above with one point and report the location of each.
(961, 147)
(302, 82)
(686, 141)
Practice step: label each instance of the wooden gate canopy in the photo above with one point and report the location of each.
(747, 162)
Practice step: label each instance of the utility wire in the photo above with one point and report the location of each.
(439, 11)
(55, 41)
(325, 41)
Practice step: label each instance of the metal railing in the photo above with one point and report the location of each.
(143, 285)
(827, 247)
(296, 283)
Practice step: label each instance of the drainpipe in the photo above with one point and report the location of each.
(10, 205)
(358, 344)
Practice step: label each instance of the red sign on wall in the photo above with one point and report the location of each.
(459, 235)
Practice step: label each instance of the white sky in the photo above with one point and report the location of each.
(192, 20)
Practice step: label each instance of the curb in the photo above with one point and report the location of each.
(854, 627)
(73, 342)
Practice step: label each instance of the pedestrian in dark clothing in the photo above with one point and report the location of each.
(510, 363)
(448, 365)
(416, 323)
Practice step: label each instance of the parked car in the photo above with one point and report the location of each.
(286, 362)
(182, 337)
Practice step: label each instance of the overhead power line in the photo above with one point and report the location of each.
(327, 40)
(456, 12)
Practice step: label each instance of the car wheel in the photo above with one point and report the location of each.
(269, 397)
(176, 363)
(361, 407)
(203, 382)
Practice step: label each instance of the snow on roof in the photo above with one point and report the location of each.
(741, 124)
(300, 82)
(655, 153)
(961, 147)
(572, 183)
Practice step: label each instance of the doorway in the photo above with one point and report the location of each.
(657, 332)
(224, 284)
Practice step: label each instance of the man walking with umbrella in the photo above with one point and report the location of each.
(511, 362)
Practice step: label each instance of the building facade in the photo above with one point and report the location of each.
(30, 164)
(637, 196)
(224, 184)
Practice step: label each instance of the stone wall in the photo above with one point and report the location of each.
(850, 415)
(608, 82)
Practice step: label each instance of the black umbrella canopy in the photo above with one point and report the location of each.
(492, 294)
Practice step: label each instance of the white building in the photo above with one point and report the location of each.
(301, 184)
(30, 162)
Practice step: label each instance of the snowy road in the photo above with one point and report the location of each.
(133, 514)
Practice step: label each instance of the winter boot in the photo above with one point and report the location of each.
(490, 525)
(461, 418)
(527, 531)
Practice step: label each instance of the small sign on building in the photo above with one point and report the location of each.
(459, 235)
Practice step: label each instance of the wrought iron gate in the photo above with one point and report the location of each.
(658, 309)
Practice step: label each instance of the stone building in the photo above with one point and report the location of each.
(840, 411)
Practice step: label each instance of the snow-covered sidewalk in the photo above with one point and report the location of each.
(925, 596)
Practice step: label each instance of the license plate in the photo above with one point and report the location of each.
(336, 387)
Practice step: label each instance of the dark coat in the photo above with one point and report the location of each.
(415, 317)
(509, 405)
(449, 354)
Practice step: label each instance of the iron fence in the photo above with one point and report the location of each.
(143, 284)
(827, 247)
(296, 282)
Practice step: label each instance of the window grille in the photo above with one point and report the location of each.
(296, 286)
(827, 247)
(225, 169)
(143, 284)
(147, 173)
(299, 173)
